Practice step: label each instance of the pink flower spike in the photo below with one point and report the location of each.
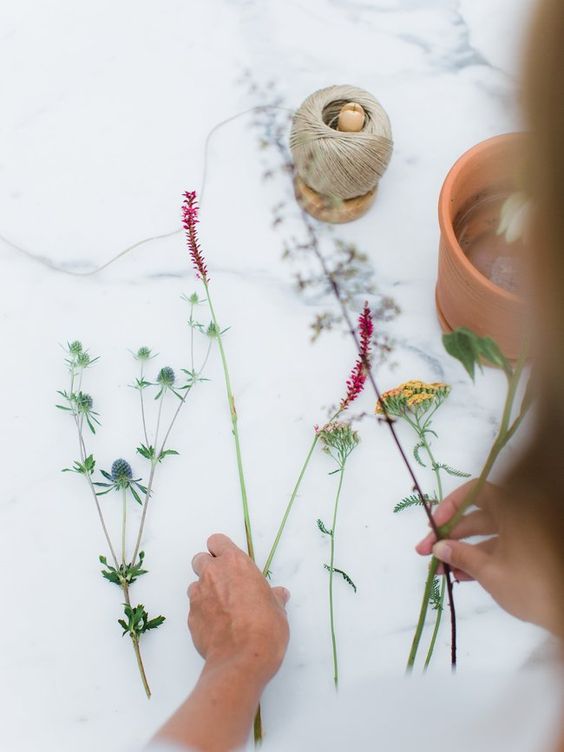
(189, 221)
(356, 381)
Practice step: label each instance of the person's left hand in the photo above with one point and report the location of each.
(234, 613)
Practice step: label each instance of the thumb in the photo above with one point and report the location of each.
(282, 595)
(469, 558)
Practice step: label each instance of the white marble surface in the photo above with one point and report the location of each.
(105, 108)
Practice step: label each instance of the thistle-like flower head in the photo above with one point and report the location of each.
(144, 353)
(166, 376)
(357, 379)
(121, 472)
(83, 359)
(75, 347)
(189, 221)
(415, 397)
(84, 402)
(338, 439)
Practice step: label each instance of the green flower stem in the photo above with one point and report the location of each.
(234, 424)
(136, 648)
(123, 525)
(141, 398)
(433, 566)
(309, 455)
(331, 573)
(83, 455)
(440, 495)
(437, 625)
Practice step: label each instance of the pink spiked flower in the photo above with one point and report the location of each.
(189, 221)
(357, 378)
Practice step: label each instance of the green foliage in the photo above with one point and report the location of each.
(470, 349)
(417, 453)
(343, 574)
(149, 453)
(83, 468)
(323, 529)
(435, 596)
(414, 501)
(138, 621)
(125, 574)
(451, 471)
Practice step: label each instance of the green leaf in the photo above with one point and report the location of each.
(135, 495)
(490, 352)
(416, 449)
(154, 623)
(166, 453)
(435, 596)
(344, 575)
(462, 344)
(452, 471)
(146, 451)
(323, 529)
(413, 501)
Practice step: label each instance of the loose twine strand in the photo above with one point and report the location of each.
(334, 163)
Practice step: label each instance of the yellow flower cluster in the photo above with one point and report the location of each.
(412, 396)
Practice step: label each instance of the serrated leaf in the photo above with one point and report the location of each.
(453, 471)
(323, 529)
(343, 574)
(413, 501)
(416, 449)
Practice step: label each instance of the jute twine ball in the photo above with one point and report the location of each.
(338, 163)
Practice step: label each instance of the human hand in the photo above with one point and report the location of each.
(234, 613)
(504, 564)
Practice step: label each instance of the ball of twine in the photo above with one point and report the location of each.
(337, 163)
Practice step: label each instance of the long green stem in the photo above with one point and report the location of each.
(440, 495)
(123, 525)
(437, 624)
(331, 573)
(143, 419)
(136, 648)
(266, 568)
(433, 566)
(234, 424)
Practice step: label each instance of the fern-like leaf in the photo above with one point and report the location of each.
(323, 529)
(344, 575)
(413, 501)
(453, 471)
(435, 597)
(416, 449)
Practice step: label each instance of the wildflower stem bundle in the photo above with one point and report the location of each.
(124, 570)
(471, 350)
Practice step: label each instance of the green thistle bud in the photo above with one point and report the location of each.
(212, 330)
(75, 347)
(193, 299)
(144, 353)
(83, 359)
(84, 402)
(166, 376)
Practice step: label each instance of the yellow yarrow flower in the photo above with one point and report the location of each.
(412, 396)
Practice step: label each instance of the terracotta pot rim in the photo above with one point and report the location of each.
(446, 224)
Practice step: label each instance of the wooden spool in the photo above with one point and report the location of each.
(328, 208)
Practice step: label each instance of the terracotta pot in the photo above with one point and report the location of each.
(464, 296)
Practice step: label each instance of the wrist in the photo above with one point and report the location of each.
(252, 666)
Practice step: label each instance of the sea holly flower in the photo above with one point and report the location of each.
(120, 479)
(415, 397)
(144, 353)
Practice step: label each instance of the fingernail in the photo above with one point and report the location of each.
(443, 551)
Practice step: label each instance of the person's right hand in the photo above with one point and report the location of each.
(504, 564)
(234, 613)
